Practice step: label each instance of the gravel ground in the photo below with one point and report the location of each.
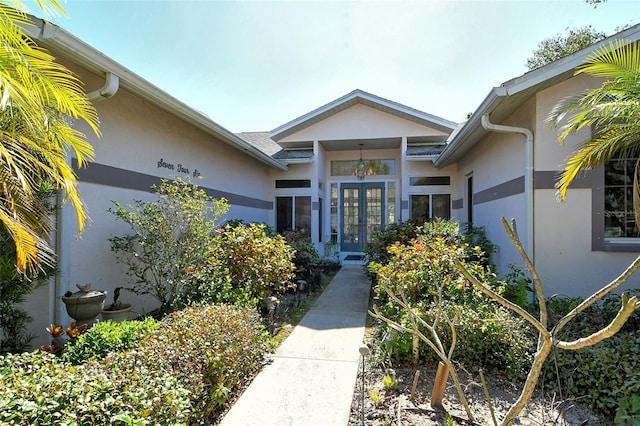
(398, 407)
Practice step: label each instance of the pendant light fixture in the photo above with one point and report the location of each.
(361, 168)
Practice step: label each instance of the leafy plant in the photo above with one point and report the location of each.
(605, 376)
(106, 337)
(208, 349)
(629, 410)
(308, 262)
(39, 388)
(517, 287)
(375, 396)
(168, 237)
(548, 339)
(390, 382)
(253, 260)
(376, 249)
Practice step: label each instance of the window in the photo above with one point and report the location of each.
(293, 183)
(334, 213)
(619, 218)
(426, 207)
(429, 180)
(371, 167)
(293, 213)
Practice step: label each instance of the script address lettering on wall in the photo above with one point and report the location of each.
(179, 168)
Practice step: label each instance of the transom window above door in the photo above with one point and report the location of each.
(371, 167)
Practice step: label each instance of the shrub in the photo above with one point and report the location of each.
(605, 376)
(253, 260)
(208, 349)
(38, 388)
(376, 249)
(423, 273)
(168, 237)
(308, 262)
(108, 336)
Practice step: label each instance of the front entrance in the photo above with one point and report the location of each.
(362, 213)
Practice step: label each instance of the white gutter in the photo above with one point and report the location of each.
(429, 157)
(55, 38)
(298, 160)
(528, 174)
(109, 89)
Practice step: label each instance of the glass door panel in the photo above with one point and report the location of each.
(363, 207)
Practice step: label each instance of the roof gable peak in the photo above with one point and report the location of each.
(360, 97)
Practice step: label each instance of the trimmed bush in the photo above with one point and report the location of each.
(38, 388)
(108, 336)
(210, 350)
(253, 260)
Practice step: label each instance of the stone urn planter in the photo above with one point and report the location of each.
(84, 305)
(117, 311)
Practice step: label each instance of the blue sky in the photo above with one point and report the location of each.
(254, 65)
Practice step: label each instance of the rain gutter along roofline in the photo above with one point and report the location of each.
(57, 39)
(474, 123)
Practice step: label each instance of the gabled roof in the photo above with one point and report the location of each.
(60, 41)
(510, 95)
(364, 98)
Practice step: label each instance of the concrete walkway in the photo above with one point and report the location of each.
(313, 373)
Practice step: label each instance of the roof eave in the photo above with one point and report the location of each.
(55, 38)
(472, 131)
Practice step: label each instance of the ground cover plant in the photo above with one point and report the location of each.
(605, 376)
(548, 338)
(38, 388)
(179, 371)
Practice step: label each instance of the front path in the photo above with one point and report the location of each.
(313, 373)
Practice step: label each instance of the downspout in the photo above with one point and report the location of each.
(64, 221)
(528, 175)
(109, 89)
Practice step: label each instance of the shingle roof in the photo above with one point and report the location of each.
(262, 141)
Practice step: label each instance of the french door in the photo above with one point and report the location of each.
(363, 208)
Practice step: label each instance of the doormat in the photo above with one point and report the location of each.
(354, 257)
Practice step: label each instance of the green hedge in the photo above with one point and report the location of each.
(39, 389)
(605, 376)
(182, 372)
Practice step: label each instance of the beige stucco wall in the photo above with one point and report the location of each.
(496, 159)
(135, 137)
(564, 256)
(361, 122)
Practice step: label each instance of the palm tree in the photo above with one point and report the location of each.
(39, 102)
(612, 111)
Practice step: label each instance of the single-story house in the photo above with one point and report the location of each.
(507, 163)
(343, 172)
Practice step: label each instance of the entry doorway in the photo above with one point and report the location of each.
(363, 208)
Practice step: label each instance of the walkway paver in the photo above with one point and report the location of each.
(313, 373)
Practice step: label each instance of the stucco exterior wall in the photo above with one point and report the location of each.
(140, 141)
(497, 166)
(565, 257)
(361, 122)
